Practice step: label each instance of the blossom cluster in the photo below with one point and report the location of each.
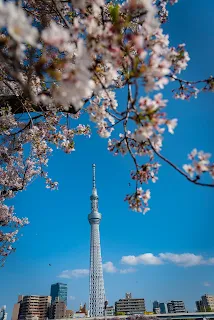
(21, 29)
(200, 164)
(9, 219)
(150, 121)
(162, 8)
(135, 200)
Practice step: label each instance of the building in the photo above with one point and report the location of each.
(29, 307)
(96, 282)
(59, 291)
(163, 307)
(206, 304)
(109, 311)
(69, 314)
(176, 306)
(155, 304)
(16, 308)
(82, 309)
(79, 315)
(199, 306)
(15, 314)
(57, 310)
(129, 306)
(3, 314)
(156, 310)
(82, 312)
(156, 307)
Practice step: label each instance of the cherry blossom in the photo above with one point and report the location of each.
(200, 165)
(162, 7)
(55, 35)
(64, 61)
(189, 169)
(135, 201)
(171, 124)
(21, 29)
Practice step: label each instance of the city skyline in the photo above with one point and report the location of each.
(129, 305)
(180, 220)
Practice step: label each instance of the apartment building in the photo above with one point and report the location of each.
(130, 305)
(28, 307)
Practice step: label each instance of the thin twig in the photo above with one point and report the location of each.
(60, 14)
(178, 169)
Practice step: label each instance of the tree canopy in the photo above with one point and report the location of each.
(61, 59)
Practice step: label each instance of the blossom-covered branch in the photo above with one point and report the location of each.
(188, 89)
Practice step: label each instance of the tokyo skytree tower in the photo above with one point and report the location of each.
(96, 283)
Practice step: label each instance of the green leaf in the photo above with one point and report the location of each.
(114, 12)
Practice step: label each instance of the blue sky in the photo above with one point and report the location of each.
(180, 220)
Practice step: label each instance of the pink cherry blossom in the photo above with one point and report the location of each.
(200, 165)
(64, 62)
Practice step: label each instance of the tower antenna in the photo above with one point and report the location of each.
(93, 175)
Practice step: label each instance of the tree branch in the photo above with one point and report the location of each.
(16, 104)
(195, 181)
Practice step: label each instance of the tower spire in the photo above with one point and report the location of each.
(94, 196)
(93, 175)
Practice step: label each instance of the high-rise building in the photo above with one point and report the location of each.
(155, 304)
(59, 292)
(130, 306)
(57, 310)
(96, 282)
(29, 307)
(176, 306)
(206, 303)
(16, 308)
(156, 307)
(163, 307)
